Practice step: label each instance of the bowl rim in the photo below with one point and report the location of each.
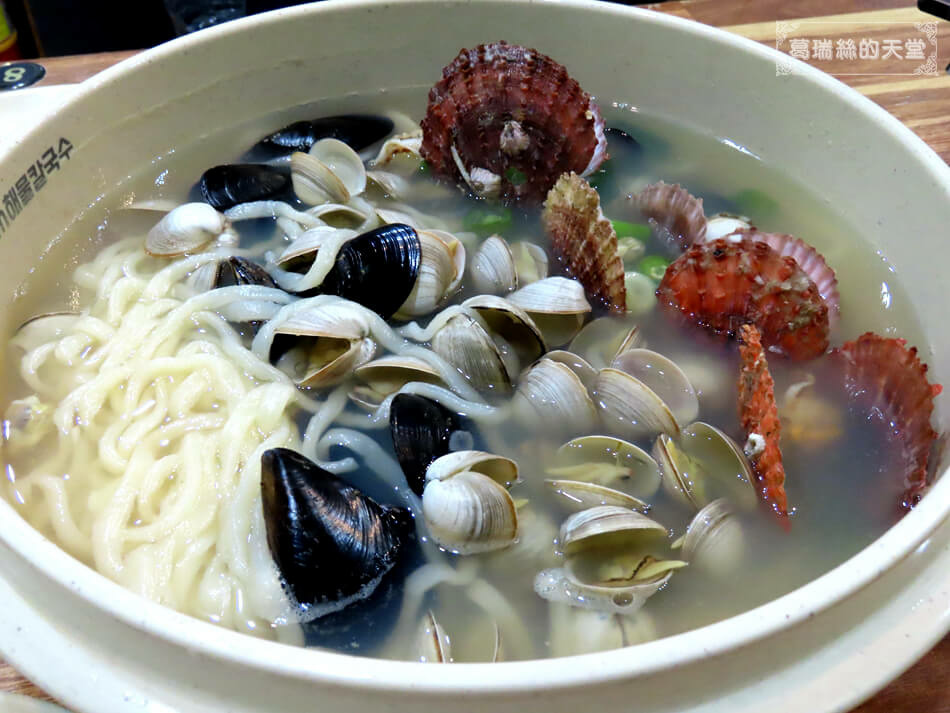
(383, 675)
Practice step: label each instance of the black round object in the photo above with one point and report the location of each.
(377, 269)
(227, 185)
(18, 75)
(355, 130)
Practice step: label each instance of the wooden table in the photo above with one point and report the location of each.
(921, 102)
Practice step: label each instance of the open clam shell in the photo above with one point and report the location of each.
(573, 631)
(493, 267)
(604, 339)
(556, 304)
(441, 268)
(580, 366)
(714, 540)
(343, 162)
(466, 503)
(550, 393)
(465, 343)
(609, 462)
(508, 322)
(386, 375)
(579, 495)
(703, 465)
(531, 262)
(432, 643)
(186, 229)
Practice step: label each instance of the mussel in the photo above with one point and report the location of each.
(229, 184)
(332, 543)
(422, 431)
(238, 270)
(356, 130)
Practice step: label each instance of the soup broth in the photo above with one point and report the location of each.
(842, 486)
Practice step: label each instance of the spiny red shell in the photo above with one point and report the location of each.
(758, 414)
(678, 215)
(889, 378)
(585, 240)
(484, 90)
(809, 260)
(725, 283)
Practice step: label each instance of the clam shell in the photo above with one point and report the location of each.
(585, 240)
(664, 378)
(344, 162)
(531, 262)
(556, 304)
(705, 465)
(550, 393)
(578, 495)
(469, 512)
(527, 138)
(629, 407)
(503, 471)
(44, 328)
(509, 322)
(585, 372)
(441, 268)
(493, 269)
(607, 525)
(314, 182)
(602, 340)
(432, 643)
(723, 224)
(405, 144)
(573, 631)
(715, 541)
(610, 462)
(186, 229)
(465, 344)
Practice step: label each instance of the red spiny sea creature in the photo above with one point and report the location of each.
(725, 283)
(508, 121)
(888, 378)
(759, 417)
(585, 240)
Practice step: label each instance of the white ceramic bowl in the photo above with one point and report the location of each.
(820, 648)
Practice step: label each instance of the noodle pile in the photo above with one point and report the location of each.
(139, 451)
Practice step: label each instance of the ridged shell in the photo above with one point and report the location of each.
(722, 284)
(493, 267)
(441, 268)
(469, 513)
(465, 344)
(515, 114)
(186, 229)
(674, 213)
(550, 393)
(888, 378)
(809, 260)
(585, 240)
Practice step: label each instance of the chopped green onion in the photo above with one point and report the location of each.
(486, 221)
(624, 229)
(515, 177)
(425, 168)
(755, 203)
(653, 266)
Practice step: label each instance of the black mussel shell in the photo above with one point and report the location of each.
(356, 130)
(421, 430)
(227, 185)
(620, 138)
(377, 269)
(331, 543)
(241, 271)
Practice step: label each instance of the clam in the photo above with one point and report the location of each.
(466, 503)
(723, 224)
(330, 171)
(531, 262)
(643, 393)
(574, 631)
(189, 228)
(432, 643)
(466, 344)
(320, 347)
(714, 541)
(391, 184)
(550, 393)
(609, 462)
(238, 270)
(612, 563)
(441, 268)
(493, 267)
(26, 422)
(556, 304)
(356, 130)
(580, 495)
(422, 432)
(602, 340)
(227, 185)
(386, 375)
(510, 326)
(405, 144)
(580, 366)
(704, 464)
(43, 328)
(332, 544)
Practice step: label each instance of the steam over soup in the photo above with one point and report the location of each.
(534, 378)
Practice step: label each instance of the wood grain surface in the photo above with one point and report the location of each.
(921, 102)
